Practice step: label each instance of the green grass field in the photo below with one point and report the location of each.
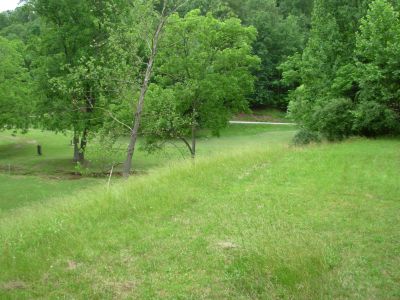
(254, 220)
(26, 178)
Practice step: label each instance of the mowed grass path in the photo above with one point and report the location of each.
(320, 222)
(26, 178)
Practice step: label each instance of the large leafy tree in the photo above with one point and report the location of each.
(86, 55)
(203, 75)
(282, 27)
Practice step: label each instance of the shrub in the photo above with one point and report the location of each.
(305, 137)
(373, 119)
(334, 118)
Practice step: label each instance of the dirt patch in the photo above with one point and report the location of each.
(32, 142)
(121, 289)
(226, 245)
(15, 170)
(14, 285)
(72, 265)
(11, 169)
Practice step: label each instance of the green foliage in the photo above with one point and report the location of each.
(282, 27)
(21, 24)
(163, 118)
(377, 70)
(88, 67)
(305, 137)
(203, 74)
(340, 64)
(16, 105)
(221, 9)
(334, 119)
(373, 119)
(279, 36)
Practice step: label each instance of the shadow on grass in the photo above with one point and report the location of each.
(255, 276)
(12, 150)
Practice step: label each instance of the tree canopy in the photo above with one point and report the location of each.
(203, 75)
(346, 79)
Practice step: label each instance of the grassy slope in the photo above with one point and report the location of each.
(314, 223)
(27, 178)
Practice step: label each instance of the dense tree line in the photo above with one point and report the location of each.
(347, 78)
(169, 68)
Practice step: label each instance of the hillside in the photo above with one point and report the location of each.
(273, 222)
(55, 175)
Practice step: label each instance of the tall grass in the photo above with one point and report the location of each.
(312, 223)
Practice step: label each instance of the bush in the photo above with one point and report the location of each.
(373, 119)
(335, 119)
(305, 137)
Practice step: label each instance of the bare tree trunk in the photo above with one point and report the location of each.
(83, 145)
(76, 147)
(193, 148)
(145, 85)
(79, 149)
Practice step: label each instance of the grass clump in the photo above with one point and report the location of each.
(305, 137)
(273, 222)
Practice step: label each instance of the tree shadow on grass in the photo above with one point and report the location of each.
(13, 150)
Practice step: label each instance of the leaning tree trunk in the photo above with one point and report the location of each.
(145, 85)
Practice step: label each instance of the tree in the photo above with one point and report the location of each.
(327, 56)
(21, 23)
(348, 82)
(279, 36)
(81, 62)
(315, 70)
(15, 87)
(203, 75)
(377, 70)
(282, 27)
(166, 9)
(221, 9)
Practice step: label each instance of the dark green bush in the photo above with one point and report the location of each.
(373, 119)
(334, 118)
(305, 137)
